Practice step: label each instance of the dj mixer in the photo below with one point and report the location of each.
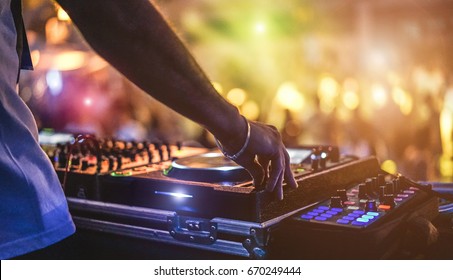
(344, 206)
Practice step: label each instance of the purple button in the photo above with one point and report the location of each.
(332, 213)
(313, 213)
(323, 207)
(318, 210)
(320, 218)
(354, 215)
(342, 221)
(306, 217)
(360, 212)
(326, 215)
(348, 218)
(337, 209)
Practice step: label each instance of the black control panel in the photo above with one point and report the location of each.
(361, 205)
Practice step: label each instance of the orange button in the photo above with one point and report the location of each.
(384, 207)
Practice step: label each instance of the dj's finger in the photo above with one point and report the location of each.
(275, 172)
(255, 170)
(279, 187)
(264, 162)
(289, 177)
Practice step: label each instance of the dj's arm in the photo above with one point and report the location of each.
(134, 38)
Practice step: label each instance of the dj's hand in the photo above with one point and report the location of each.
(266, 159)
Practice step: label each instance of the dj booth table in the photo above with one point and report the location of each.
(136, 201)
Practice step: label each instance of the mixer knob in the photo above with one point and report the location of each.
(336, 202)
(389, 200)
(396, 185)
(323, 160)
(389, 188)
(342, 194)
(381, 180)
(75, 160)
(84, 164)
(314, 162)
(370, 205)
(111, 162)
(334, 154)
(368, 186)
(119, 161)
(382, 192)
(363, 190)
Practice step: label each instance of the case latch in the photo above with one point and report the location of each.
(195, 230)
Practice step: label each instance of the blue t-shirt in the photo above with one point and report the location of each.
(33, 209)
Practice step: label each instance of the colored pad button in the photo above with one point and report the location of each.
(363, 220)
(409, 192)
(402, 195)
(306, 217)
(353, 208)
(336, 209)
(313, 213)
(326, 215)
(342, 221)
(323, 207)
(349, 218)
(373, 213)
(348, 203)
(354, 215)
(360, 212)
(319, 218)
(332, 213)
(398, 199)
(385, 207)
(368, 217)
(318, 211)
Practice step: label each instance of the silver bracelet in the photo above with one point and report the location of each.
(238, 154)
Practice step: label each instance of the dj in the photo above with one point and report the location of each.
(137, 41)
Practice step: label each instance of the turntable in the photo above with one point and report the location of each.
(210, 167)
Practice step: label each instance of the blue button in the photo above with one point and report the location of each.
(320, 218)
(348, 218)
(332, 213)
(353, 215)
(368, 217)
(326, 215)
(362, 220)
(337, 209)
(360, 224)
(313, 213)
(324, 207)
(306, 217)
(341, 221)
(361, 212)
(318, 210)
(373, 213)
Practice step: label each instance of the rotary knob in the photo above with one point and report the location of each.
(336, 202)
(370, 205)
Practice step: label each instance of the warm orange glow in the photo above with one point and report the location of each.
(69, 60)
(250, 110)
(56, 31)
(289, 97)
(403, 100)
(62, 15)
(379, 95)
(237, 96)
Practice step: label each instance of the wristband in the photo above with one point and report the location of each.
(238, 154)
